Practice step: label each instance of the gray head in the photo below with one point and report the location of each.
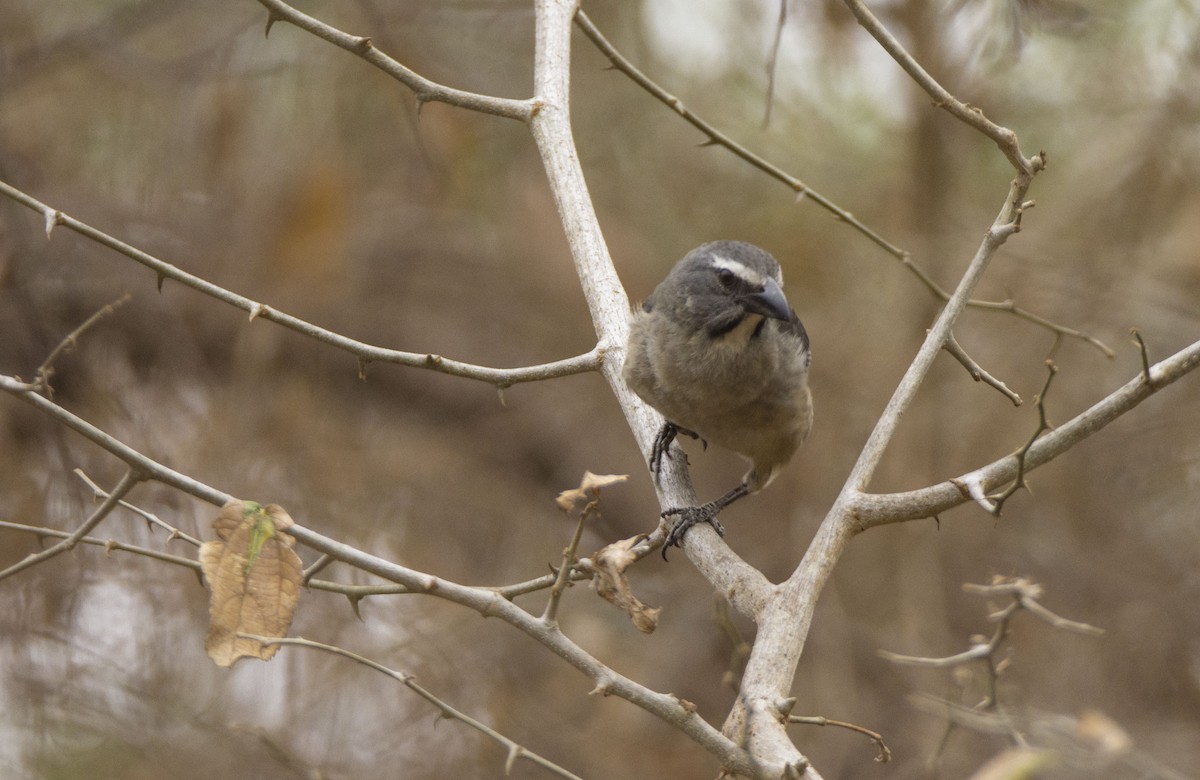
(716, 285)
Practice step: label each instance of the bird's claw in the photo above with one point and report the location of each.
(688, 517)
(662, 446)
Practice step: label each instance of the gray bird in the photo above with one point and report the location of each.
(717, 350)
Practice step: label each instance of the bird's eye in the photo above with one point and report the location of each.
(727, 277)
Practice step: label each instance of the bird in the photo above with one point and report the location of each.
(718, 351)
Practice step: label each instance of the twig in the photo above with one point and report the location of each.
(885, 754)
(515, 749)
(1005, 139)
(424, 89)
(872, 509)
(126, 484)
(1024, 595)
(773, 61)
(501, 377)
(150, 518)
(976, 371)
(1145, 353)
(107, 544)
(1023, 453)
(562, 577)
(718, 138)
(46, 369)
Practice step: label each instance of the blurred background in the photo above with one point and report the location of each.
(294, 173)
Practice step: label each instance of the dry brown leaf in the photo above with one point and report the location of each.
(253, 577)
(608, 567)
(588, 489)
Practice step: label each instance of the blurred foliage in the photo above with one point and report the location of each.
(292, 172)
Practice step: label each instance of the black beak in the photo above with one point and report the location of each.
(769, 302)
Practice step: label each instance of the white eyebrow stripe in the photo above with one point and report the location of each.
(740, 269)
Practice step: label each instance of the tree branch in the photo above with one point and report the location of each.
(424, 89)
(366, 353)
(131, 478)
(515, 749)
(873, 509)
(1005, 139)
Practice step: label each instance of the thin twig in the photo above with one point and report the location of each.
(107, 544)
(126, 484)
(773, 61)
(1005, 139)
(977, 371)
(46, 370)
(1023, 453)
(150, 518)
(718, 138)
(562, 577)
(885, 754)
(1145, 353)
(424, 89)
(366, 353)
(515, 749)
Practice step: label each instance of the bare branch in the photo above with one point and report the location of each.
(46, 369)
(515, 750)
(501, 377)
(885, 753)
(423, 88)
(150, 518)
(719, 138)
(872, 509)
(976, 371)
(126, 484)
(1006, 139)
(107, 544)
(1022, 454)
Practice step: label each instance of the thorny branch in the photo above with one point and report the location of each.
(366, 353)
(717, 138)
(515, 749)
(997, 502)
(977, 371)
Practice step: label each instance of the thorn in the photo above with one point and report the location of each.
(256, 311)
(362, 369)
(514, 753)
(53, 218)
(271, 19)
(500, 394)
(354, 606)
(801, 194)
(161, 278)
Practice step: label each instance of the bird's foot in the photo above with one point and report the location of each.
(662, 446)
(689, 516)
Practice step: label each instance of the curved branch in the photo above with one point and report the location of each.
(423, 88)
(718, 138)
(1005, 139)
(873, 509)
(366, 353)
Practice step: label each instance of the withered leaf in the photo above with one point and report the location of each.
(609, 580)
(588, 489)
(253, 577)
